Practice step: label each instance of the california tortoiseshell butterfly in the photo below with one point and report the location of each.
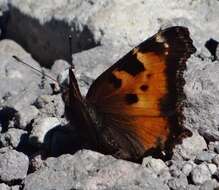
(134, 108)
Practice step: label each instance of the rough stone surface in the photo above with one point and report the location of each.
(13, 137)
(67, 17)
(89, 170)
(200, 174)
(209, 185)
(190, 147)
(13, 165)
(205, 156)
(187, 168)
(16, 187)
(17, 80)
(212, 168)
(178, 183)
(25, 115)
(216, 160)
(52, 106)
(4, 187)
(41, 129)
(155, 165)
(102, 32)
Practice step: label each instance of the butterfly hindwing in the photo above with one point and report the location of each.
(137, 100)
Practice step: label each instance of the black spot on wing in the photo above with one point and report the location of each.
(144, 87)
(131, 65)
(131, 98)
(115, 81)
(149, 76)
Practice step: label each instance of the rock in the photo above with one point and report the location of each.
(104, 57)
(164, 176)
(91, 170)
(190, 147)
(45, 43)
(178, 183)
(156, 165)
(216, 160)
(4, 187)
(14, 137)
(51, 106)
(175, 167)
(216, 147)
(201, 111)
(36, 162)
(16, 187)
(209, 134)
(191, 187)
(59, 66)
(40, 133)
(13, 165)
(212, 168)
(20, 85)
(217, 52)
(25, 115)
(209, 185)
(205, 156)
(187, 168)
(200, 174)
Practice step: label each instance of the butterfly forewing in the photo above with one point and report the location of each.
(137, 99)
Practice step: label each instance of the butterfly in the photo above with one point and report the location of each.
(134, 108)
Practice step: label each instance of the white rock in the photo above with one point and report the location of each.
(25, 115)
(200, 174)
(190, 147)
(41, 127)
(187, 168)
(13, 165)
(212, 168)
(156, 165)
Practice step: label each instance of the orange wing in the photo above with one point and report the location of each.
(137, 100)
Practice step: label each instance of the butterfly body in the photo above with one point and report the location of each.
(134, 108)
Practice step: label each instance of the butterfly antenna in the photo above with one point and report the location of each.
(70, 51)
(38, 71)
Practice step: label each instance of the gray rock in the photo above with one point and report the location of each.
(216, 147)
(178, 183)
(40, 133)
(91, 170)
(40, 19)
(217, 52)
(200, 174)
(13, 165)
(205, 156)
(16, 187)
(216, 160)
(187, 168)
(190, 147)
(201, 88)
(212, 168)
(155, 165)
(104, 57)
(4, 187)
(36, 162)
(51, 106)
(14, 137)
(59, 66)
(25, 115)
(209, 134)
(175, 167)
(20, 85)
(209, 185)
